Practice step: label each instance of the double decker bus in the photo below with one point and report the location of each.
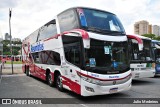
(142, 59)
(156, 51)
(84, 50)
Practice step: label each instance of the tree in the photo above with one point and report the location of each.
(6, 49)
(152, 36)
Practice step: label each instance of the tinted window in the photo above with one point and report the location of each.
(50, 58)
(48, 30)
(72, 49)
(33, 37)
(100, 21)
(35, 57)
(68, 20)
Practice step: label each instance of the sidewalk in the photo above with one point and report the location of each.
(7, 69)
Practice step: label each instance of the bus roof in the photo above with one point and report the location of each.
(142, 37)
(156, 41)
(86, 8)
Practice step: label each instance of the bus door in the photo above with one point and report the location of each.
(31, 65)
(73, 56)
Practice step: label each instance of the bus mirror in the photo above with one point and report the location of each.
(86, 43)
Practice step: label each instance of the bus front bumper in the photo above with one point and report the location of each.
(143, 73)
(90, 89)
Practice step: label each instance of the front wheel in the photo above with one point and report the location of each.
(27, 71)
(59, 84)
(50, 80)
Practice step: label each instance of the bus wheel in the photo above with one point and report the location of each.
(59, 82)
(50, 80)
(27, 71)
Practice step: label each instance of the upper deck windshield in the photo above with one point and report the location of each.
(100, 22)
(105, 57)
(145, 55)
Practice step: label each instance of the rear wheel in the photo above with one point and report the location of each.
(59, 84)
(50, 80)
(27, 71)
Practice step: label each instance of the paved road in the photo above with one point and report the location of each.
(21, 86)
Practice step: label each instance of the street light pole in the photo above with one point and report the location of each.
(10, 14)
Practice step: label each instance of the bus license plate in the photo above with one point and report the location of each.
(113, 90)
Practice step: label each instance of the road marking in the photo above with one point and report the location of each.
(14, 75)
(83, 105)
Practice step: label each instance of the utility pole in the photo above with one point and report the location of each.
(10, 14)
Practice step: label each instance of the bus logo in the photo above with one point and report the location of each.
(38, 47)
(114, 82)
(113, 76)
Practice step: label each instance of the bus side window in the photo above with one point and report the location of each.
(35, 57)
(72, 49)
(49, 58)
(73, 55)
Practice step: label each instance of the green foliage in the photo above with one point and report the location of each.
(149, 35)
(6, 49)
(14, 62)
(152, 36)
(6, 42)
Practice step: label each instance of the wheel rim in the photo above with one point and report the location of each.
(50, 79)
(59, 83)
(29, 73)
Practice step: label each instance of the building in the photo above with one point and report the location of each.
(16, 40)
(156, 30)
(7, 36)
(150, 29)
(141, 27)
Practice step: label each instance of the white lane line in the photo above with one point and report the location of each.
(83, 105)
(14, 75)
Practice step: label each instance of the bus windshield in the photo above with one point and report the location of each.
(144, 55)
(105, 57)
(158, 56)
(100, 22)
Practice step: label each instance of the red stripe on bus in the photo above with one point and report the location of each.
(79, 73)
(53, 37)
(75, 87)
(83, 32)
(136, 38)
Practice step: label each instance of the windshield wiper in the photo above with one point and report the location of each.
(93, 29)
(113, 32)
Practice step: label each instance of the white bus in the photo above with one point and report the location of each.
(84, 50)
(142, 59)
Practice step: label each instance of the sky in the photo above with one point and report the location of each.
(29, 15)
